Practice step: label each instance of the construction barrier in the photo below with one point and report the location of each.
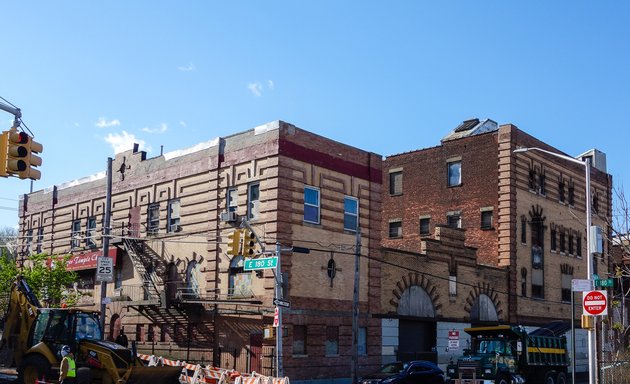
(197, 374)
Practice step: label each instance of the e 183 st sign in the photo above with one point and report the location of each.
(595, 303)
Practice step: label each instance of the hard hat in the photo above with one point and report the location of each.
(65, 350)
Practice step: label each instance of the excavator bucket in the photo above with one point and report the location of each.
(154, 375)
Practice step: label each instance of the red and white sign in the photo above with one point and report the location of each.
(275, 318)
(595, 303)
(88, 260)
(453, 335)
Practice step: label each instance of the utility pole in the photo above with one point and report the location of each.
(279, 309)
(355, 308)
(108, 203)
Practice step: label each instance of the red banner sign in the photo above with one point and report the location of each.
(87, 260)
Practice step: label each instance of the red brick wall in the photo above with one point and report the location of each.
(425, 192)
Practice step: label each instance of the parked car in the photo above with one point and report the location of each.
(383, 372)
(413, 372)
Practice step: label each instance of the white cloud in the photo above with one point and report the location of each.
(161, 129)
(183, 124)
(124, 141)
(255, 88)
(188, 68)
(103, 123)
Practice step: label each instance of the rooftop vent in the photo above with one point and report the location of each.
(467, 125)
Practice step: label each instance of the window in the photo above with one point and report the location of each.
(523, 230)
(395, 182)
(532, 179)
(562, 241)
(332, 341)
(578, 244)
(452, 285)
(541, 184)
(561, 190)
(570, 242)
(311, 205)
(566, 277)
(538, 247)
(571, 196)
(173, 216)
(76, 234)
(193, 275)
(486, 219)
(395, 229)
(40, 239)
(232, 200)
(90, 232)
(552, 237)
(239, 280)
(253, 198)
(454, 219)
(29, 241)
(425, 226)
(299, 340)
(153, 218)
(454, 173)
(595, 204)
(350, 213)
(362, 341)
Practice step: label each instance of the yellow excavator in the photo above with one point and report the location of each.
(33, 337)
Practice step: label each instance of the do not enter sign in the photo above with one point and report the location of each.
(595, 303)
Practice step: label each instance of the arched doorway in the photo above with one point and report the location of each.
(417, 328)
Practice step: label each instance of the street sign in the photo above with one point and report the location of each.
(276, 318)
(261, 263)
(281, 303)
(105, 269)
(581, 285)
(453, 340)
(595, 303)
(605, 283)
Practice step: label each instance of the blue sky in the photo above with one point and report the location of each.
(388, 77)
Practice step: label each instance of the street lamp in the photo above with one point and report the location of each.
(592, 342)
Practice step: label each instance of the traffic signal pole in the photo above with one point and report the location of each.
(278, 295)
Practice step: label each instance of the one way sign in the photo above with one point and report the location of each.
(281, 303)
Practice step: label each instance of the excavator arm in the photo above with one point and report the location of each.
(21, 314)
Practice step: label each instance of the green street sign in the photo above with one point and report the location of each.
(605, 283)
(261, 263)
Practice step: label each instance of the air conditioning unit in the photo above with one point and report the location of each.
(228, 216)
(176, 228)
(118, 292)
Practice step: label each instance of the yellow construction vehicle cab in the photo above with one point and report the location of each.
(33, 336)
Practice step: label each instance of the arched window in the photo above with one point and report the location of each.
(192, 279)
(240, 281)
(483, 310)
(415, 301)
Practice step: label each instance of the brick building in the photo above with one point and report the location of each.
(178, 293)
(522, 213)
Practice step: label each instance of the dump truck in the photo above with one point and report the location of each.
(33, 336)
(506, 354)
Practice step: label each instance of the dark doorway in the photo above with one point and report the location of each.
(255, 355)
(417, 340)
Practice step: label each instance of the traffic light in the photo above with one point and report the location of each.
(21, 156)
(4, 151)
(234, 242)
(16, 152)
(249, 241)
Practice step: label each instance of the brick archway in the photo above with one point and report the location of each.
(483, 292)
(406, 288)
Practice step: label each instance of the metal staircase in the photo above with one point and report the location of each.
(148, 267)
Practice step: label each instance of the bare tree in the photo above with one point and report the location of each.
(8, 242)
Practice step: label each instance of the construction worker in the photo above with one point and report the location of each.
(68, 368)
